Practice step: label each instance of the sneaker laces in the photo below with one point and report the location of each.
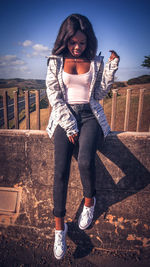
(87, 212)
(59, 239)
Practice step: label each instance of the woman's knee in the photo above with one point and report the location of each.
(85, 163)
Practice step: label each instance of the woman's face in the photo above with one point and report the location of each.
(77, 44)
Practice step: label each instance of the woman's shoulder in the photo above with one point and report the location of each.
(53, 58)
(98, 62)
(99, 58)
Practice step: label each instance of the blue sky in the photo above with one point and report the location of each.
(29, 29)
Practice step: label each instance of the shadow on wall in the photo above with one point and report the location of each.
(112, 184)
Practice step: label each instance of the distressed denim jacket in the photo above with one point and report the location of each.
(102, 79)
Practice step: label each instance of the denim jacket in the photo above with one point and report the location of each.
(102, 79)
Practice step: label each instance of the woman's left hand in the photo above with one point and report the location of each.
(73, 138)
(113, 55)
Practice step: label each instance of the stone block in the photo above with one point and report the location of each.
(122, 216)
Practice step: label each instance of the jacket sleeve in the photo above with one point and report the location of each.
(105, 78)
(61, 112)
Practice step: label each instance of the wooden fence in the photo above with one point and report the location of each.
(16, 110)
(37, 102)
(127, 109)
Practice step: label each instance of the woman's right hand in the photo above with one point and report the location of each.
(73, 138)
(113, 55)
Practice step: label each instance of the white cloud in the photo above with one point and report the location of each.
(8, 57)
(40, 50)
(22, 69)
(18, 62)
(16, 66)
(37, 49)
(12, 66)
(27, 43)
(10, 60)
(29, 55)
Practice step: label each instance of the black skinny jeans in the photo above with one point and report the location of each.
(89, 133)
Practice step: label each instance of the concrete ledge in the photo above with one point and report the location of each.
(122, 217)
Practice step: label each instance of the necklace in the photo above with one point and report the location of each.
(76, 59)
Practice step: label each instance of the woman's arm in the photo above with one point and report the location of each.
(55, 96)
(105, 76)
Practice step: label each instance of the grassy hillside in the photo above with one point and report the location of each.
(23, 84)
(144, 79)
(40, 84)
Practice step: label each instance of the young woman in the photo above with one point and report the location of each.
(76, 81)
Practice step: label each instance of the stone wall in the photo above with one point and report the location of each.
(122, 217)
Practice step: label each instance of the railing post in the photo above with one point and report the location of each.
(5, 105)
(140, 109)
(16, 117)
(114, 109)
(27, 110)
(37, 110)
(127, 110)
(102, 103)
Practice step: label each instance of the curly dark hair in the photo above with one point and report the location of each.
(68, 28)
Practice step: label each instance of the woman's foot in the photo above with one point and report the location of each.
(86, 216)
(60, 243)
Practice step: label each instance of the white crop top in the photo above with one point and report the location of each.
(77, 87)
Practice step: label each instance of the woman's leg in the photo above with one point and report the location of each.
(63, 154)
(88, 140)
(89, 134)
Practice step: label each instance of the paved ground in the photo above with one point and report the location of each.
(21, 256)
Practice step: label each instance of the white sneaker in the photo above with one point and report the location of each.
(86, 216)
(60, 243)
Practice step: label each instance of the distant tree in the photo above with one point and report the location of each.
(146, 62)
